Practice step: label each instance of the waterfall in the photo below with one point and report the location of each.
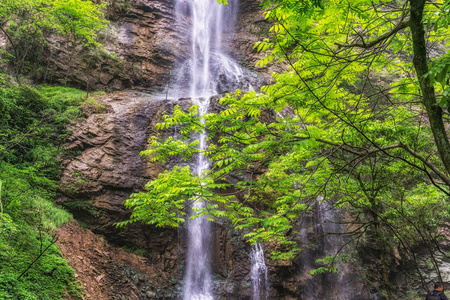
(207, 72)
(325, 223)
(259, 273)
(198, 271)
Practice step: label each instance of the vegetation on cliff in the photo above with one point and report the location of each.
(27, 26)
(33, 128)
(358, 119)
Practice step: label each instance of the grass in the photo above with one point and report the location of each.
(32, 129)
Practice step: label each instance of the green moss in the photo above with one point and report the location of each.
(92, 106)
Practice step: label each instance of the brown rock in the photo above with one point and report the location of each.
(107, 272)
(105, 78)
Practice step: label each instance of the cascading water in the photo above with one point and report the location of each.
(206, 73)
(325, 224)
(259, 274)
(198, 271)
(198, 284)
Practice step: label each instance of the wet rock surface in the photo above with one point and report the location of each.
(406, 278)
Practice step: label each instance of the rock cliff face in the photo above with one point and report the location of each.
(140, 48)
(95, 183)
(143, 44)
(109, 168)
(415, 285)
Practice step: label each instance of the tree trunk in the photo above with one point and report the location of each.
(433, 110)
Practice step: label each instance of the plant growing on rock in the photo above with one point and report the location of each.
(28, 24)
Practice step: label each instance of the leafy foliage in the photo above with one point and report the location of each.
(33, 122)
(353, 120)
(32, 129)
(27, 25)
(81, 20)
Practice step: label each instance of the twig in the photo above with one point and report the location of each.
(54, 239)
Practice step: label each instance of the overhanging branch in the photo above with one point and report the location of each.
(381, 38)
(426, 162)
(413, 153)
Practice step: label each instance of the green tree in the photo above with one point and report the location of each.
(358, 114)
(27, 25)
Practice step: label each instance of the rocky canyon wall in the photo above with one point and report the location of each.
(141, 47)
(94, 186)
(107, 167)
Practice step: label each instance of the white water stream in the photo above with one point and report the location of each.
(208, 71)
(199, 78)
(198, 284)
(258, 273)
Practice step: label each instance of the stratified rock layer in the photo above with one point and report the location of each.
(109, 168)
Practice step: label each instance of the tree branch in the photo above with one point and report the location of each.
(54, 239)
(426, 162)
(400, 26)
